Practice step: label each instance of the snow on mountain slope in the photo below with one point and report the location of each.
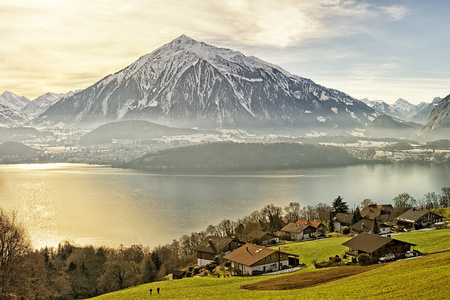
(14, 101)
(193, 84)
(40, 104)
(9, 116)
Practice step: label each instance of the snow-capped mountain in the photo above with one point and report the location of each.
(14, 101)
(424, 110)
(41, 104)
(193, 84)
(404, 110)
(438, 125)
(9, 116)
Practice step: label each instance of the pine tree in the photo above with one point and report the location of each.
(375, 228)
(339, 206)
(356, 216)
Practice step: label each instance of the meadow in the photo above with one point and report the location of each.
(418, 278)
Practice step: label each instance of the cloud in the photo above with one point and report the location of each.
(56, 38)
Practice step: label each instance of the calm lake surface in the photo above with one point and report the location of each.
(99, 205)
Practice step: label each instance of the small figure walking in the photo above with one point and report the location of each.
(157, 289)
(151, 291)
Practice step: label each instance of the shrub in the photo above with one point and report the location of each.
(364, 259)
(211, 266)
(346, 230)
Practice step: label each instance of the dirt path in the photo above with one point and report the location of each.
(303, 280)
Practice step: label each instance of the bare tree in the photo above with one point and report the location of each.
(323, 212)
(292, 211)
(274, 216)
(366, 202)
(13, 250)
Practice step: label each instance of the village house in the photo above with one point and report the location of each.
(299, 232)
(319, 226)
(376, 245)
(366, 226)
(342, 220)
(418, 218)
(380, 212)
(265, 238)
(213, 246)
(252, 259)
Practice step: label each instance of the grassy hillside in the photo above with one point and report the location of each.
(319, 250)
(420, 278)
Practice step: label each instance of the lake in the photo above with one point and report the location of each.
(99, 205)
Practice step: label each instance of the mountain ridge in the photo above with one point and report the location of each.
(186, 83)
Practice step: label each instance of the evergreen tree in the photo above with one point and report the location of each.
(331, 226)
(375, 228)
(339, 206)
(356, 216)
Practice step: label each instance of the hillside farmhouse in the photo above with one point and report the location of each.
(420, 218)
(266, 238)
(252, 259)
(366, 226)
(213, 246)
(380, 212)
(341, 220)
(376, 245)
(299, 232)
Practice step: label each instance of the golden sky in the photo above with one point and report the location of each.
(376, 49)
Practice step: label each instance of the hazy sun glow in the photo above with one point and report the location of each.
(61, 46)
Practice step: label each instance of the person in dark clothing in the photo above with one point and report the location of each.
(151, 291)
(158, 290)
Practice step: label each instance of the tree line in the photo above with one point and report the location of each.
(71, 272)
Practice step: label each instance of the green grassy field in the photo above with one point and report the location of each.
(427, 241)
(316, 250)
(419, 278)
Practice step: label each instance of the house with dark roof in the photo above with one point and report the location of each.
(418, 218)
(341, 220)
(299, 232)
(213, 246)
(366, 225)
(266, 238)
(376, 211)
(252, 259)
(375, 245)
(319, 226)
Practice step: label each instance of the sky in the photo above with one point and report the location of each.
(380, 50)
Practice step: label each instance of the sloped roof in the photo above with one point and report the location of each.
(259, 234)
(343, 218)
(412, 215)
(369, 243)
(362, 226)
(250, 254)
(213, 244)
(314, 224)
(370, 212)
(374, 210)
(294, 227)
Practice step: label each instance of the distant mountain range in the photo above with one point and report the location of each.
(16, 110)
(186, 83)
(190, 84)
(404, 110)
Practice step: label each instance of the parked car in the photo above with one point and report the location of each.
(412, 253)
(387, 257)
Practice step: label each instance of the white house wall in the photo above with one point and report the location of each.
(203, 262)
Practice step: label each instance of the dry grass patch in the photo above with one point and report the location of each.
(304, 280)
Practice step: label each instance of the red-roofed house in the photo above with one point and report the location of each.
(252, 259)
